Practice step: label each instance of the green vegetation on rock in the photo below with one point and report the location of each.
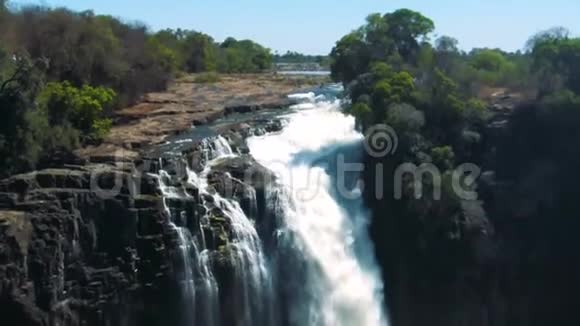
(513, 115)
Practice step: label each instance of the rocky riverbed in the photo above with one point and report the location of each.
(188, 104)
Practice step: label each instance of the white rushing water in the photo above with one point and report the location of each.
(251, 288)
(319, 267)
(343, 286)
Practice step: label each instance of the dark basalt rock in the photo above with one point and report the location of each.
(253, 186)
(437, 260)
(71, 257)
(245, 108)
(245, 169)
(60, 158)
(93, 244)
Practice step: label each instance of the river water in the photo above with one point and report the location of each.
(320, 268)
(324, 212)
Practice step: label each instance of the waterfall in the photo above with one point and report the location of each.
(200, 289)
(341, 284)
(312, 262)
(249, 291)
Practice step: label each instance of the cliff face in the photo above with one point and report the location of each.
(73, 252)
(95, 244)
(70, 254)
(505, 259)
(444, 267)
(436, 257)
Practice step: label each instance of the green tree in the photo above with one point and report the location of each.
(445, 109)
(363, 114)
(405, 28)
(489, 60)
(20, 131)
(82, 107)
(377, 38)
(350, 57)
(555, 59)
(447, 53)
(447, 44)
(173, 40)
(443, 157)
(200, 53)
(244, 56)
(551, 35)
(395, 38)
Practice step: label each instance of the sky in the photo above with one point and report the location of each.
(313, 26)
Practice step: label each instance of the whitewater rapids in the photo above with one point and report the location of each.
(343, 286)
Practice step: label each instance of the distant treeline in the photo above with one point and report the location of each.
(63, 73)
(291, 57)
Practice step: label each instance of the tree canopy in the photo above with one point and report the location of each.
(63, 73)
(557, 58)
(394, 37)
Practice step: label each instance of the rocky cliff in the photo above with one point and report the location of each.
(97, 243)
(504, 259)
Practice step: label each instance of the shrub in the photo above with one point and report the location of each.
(443, 157)
(82, 107)
(405, 117)
(363, 114)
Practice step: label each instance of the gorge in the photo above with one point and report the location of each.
(161, 177)
(257, 225)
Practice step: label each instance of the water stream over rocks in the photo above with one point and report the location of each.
(289, 250)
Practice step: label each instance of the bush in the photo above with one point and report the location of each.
(476, 112)
(443, 157)
(82, 107)
(404, 117)
(363, 114)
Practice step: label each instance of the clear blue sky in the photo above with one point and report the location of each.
(313, 26)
